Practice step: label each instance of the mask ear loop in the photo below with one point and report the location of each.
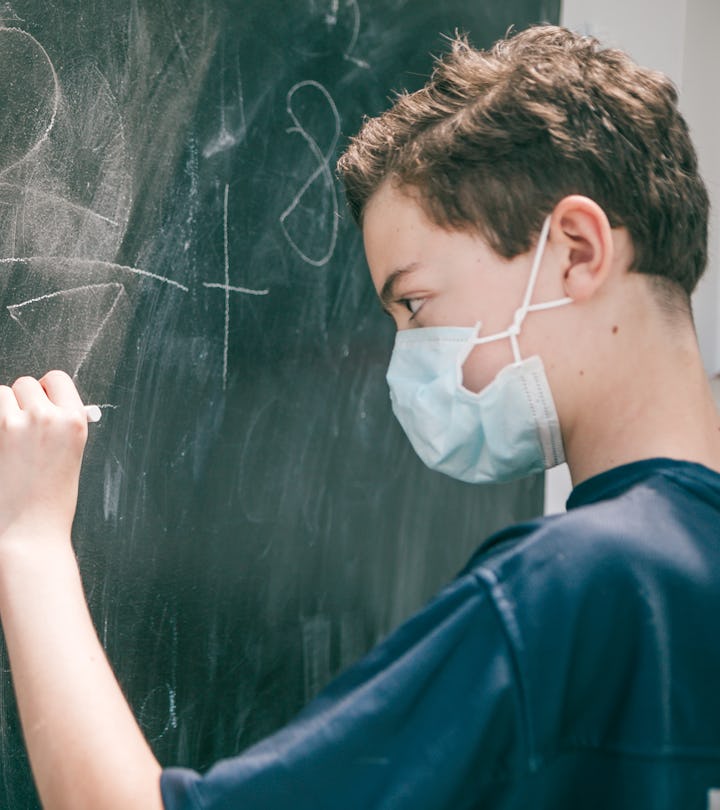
(464, 353)
(521, 312)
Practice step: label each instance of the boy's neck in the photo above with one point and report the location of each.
(656, 402)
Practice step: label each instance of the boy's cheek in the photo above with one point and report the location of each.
(484, 362)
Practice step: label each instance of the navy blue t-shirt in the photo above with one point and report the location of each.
(574, 663)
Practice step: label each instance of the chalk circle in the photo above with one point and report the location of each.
(29, 96)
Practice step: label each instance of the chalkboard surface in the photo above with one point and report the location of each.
(251, 517)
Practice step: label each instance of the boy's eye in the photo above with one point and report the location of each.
(412, 304)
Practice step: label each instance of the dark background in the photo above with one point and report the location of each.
(251, 518)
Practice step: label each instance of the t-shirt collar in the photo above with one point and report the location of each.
(613, 482)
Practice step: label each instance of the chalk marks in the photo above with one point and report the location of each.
(228, 288)
(226, 330)
(66, 191)
(232, 116)
(55, 199)
(316, 654)
(66, 171)
(28, 106)
(320, 643)
(88, 169)
(231, 288)
(158, 712)
(77, 320)
(323, 174)
(8, 15)
(65, 198)
(340, 21)
(352, 4)
(332, 17)
(140, 272)
(352, 641)
(99, 262)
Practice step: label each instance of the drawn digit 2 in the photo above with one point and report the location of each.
(323, 169)
(331, 18)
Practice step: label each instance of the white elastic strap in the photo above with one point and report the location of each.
(521, 312)
(558, 302)
(534, 270)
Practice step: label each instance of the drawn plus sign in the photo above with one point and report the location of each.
(228, 288)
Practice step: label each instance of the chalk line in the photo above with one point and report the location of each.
(55, 295)
(322, 169)
(77, 260)
(119, 289)
(61, 200)
(56, 99)
(227, 287)
(108, 314)
(230, 287)
(332, 16)
(227, 139)
(354, 38)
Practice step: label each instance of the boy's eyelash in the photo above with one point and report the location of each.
(406, 302)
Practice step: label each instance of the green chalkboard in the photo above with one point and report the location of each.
(251, 518)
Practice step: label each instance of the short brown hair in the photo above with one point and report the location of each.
(496, 138)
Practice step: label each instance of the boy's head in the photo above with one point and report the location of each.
(497, 138)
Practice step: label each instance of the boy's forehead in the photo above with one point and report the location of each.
(409, 255)
(395, 229)
(388, 197)
(398, 234)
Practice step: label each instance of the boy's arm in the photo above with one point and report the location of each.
(86, 750)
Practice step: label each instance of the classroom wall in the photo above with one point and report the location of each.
(678, 37)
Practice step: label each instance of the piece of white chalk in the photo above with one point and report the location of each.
(94, 413)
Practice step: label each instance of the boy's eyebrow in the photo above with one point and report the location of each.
(387, 294)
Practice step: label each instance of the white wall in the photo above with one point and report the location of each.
(651, 31)
(680, 38)
(700, 105)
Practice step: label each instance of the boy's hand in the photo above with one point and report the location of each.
(43, 429)
(86, 750)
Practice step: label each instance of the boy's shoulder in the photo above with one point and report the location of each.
(655, 510)
(600, 605)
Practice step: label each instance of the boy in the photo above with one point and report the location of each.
(534, 223)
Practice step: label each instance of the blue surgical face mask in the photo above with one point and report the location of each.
(507, 430)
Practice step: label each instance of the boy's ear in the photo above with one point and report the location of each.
(580, 228)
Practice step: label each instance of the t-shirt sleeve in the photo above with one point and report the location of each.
(429, 719)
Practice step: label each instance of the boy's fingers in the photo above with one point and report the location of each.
(29, 394)
(8, 401)
(61, 391)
